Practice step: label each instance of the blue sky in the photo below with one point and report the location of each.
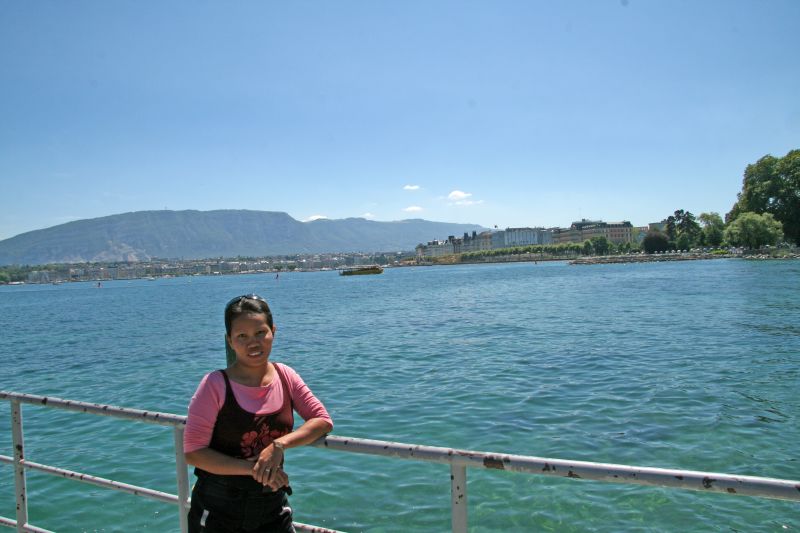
(507, 113)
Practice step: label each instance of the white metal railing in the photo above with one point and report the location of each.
(458, 460)
(152, 417)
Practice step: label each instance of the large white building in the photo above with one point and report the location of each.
(526, 236)
(486, 240)
(616, 232)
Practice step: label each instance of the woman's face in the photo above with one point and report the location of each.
(251, 338)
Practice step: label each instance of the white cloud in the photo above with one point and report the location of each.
(459, 195)
(367, 215)
(411, 187)
(315, 217)
(412, 209)
(460, 198)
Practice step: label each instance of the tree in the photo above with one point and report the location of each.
(687, 227)
(752, 230)
(713, 228)
(683, 242)
(15, 273)
(772, 185)
(682, 229)
(655, 241)
(670, 228)
(600, 245)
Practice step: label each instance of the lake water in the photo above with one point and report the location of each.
(691, 365)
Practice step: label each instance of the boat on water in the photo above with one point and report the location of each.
(359, 271)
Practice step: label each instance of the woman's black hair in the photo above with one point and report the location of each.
(247, 304)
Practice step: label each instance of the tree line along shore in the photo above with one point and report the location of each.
(536, 254)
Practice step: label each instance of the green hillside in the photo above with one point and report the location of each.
(142, 235)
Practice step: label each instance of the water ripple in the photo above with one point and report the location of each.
(689, 366)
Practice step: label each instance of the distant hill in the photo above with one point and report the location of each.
(142, 235)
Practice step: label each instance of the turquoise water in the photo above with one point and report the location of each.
(684, 365)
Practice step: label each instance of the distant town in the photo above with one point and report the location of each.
(163, 268)
(584, 238)
(621, 234)
(617, 233)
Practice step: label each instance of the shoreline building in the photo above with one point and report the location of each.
(616, 232)
(582, 230)
(434, 248)
(485, 240)
(476, 241)
(526, 236)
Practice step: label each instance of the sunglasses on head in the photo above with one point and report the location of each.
(238, 299)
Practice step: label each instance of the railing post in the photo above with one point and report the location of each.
(183, 480)
(19, 470)
(458, 494)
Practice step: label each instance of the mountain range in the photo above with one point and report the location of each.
(144, 235)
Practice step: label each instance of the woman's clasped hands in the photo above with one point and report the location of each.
(267, 469)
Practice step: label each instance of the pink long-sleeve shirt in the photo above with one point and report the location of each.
(210, 396)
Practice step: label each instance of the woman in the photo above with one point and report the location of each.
(240, 424)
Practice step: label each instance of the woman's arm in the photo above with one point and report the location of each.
(317, 420)
(270, 457)
(203, 410)
(268, 465)
(310, 431)
(218, 463)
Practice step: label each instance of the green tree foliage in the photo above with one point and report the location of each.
(568, 249)
(655, 241)
(670, 228)
(687, 226)
(601, 245)
(15, 273)
(752, 230)
(772, 185)
(683, 242)
(713, 228)
(682, 229)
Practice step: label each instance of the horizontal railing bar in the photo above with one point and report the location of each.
(95, 480)
(684, 479)
(13, 523)
(152, 417)
(299, 526)
(615, 473)
(123, 487)
(313, 529)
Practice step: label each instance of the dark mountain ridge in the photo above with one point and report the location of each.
(143, 235)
